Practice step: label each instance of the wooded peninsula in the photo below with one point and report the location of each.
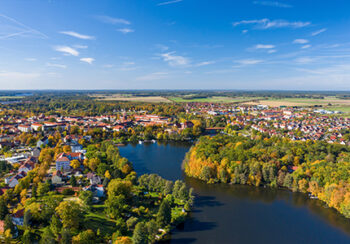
(315, 167)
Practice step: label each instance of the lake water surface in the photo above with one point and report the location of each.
(240, 214)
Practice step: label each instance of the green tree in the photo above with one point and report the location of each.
(73, 181)
(164, 214)
(55, 225)
(140, 234)
(47, 237)
(152, 229)
(27, 218)
(86, 197)
(66, 237)
(8, 224)
(27, 237)
(70, 214)
(43, 188)
(3, 209)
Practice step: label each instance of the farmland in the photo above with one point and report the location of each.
(131, 98)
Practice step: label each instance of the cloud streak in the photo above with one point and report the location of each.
(169, 2)
(249, 61)
(273, 4)
(87, 60)
(77, 35)
(66, 50)
(264, 46)
(265, 24)
(174, 60)
(112, 20)
(315, 33)
(15, 28)
(300, 41)
(126, 30)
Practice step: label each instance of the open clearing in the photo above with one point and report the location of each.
(131, 98)
(10, 97)
(303, 102)
(214, 99)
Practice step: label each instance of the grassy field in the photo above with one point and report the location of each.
(304, 102)
(131, 98)
(214, 99)
(344, 109)
(11, 97)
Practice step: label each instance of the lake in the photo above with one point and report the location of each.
(240, 214)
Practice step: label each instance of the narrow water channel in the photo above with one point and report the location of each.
(240, 214)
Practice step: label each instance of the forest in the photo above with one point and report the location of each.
(314, 167)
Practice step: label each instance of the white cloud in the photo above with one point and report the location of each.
(87, 60)
(272, 51)
(169, 2)
(67, 50)
(77, 35)
(305, 46)
(315, 33)
(205, 63)
(30, 59)
(174, 60)
(112, 20)
(249, 61)
(300, 41)
(62, 66)
(244, 31)
(14, 28)
(126, 30)
(153, 76)
(269, 24)
(263, 46)
(273, 4)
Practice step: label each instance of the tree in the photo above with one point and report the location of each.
(43, 188)
(66, 237)
(152, 229)
(67, 149)
(8, 225)
(120, 187)
(115, 205)
(131, 222)
(140, 234)
(86, 197)
(3, 208)
(93, 163)
(70, 214)
(27, 218)
(85, 237)
(55, 225)
(73, 181)
(164, 214)
(27, 237)
(47, 237)
(75, 164)
(123, 240)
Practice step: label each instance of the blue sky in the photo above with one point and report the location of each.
(175, 44)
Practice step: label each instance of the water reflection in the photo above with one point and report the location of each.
(240, 214)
